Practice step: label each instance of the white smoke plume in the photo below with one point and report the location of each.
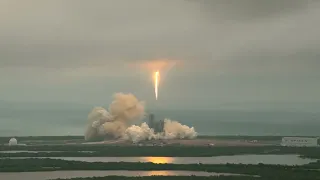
(123, 111)
(139, 133)
(175, 130)
(172, 130)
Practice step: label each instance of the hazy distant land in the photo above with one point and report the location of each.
(57, 120)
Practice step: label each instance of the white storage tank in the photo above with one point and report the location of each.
(299, 141)
(13, 142)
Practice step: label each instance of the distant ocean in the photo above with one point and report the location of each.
(72, 121)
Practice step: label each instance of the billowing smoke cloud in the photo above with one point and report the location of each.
(125, 110)
(172, 130)
(175, 130)
(139, 133)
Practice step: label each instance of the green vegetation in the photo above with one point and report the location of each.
(47, 139)
(259, 138)
(169, 178)
(265, 171)
(170, 151)
(314, 165)
(33, 140)
(59, 138)
(193, 178)
(41, 138)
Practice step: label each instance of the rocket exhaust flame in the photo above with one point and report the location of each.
(156, 83)
(154, 67)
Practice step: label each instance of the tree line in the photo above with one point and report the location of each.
(170, 151)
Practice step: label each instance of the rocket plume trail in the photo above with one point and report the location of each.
(156, 83)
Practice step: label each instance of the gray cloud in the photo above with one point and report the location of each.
(252, 10)
(82, 33)
(82, 44)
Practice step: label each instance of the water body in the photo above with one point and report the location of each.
(39, 151)
(288, 159)
(27, 151)
(83, 174)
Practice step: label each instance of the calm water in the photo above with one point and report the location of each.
(74, 174)
(236, 159)
(72, 121)
(39, 151)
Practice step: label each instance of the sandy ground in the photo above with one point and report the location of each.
(108, 142)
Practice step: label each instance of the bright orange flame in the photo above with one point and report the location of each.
(154, 67)
(156, 83)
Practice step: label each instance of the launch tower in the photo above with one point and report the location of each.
(151, 123)
(156, 126)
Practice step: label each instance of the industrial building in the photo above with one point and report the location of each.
(300, 141)
(157, 126)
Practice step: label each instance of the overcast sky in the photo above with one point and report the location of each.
(231, 51)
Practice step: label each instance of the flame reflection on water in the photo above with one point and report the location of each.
(158, 160)
(159, 173)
